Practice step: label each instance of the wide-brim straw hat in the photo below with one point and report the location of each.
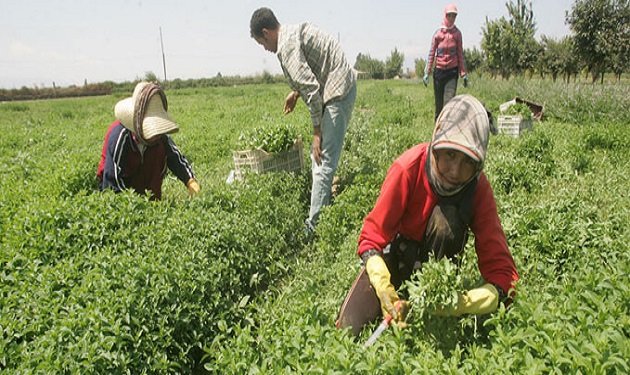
(156, 120)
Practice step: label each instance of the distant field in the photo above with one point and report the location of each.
(226, 283)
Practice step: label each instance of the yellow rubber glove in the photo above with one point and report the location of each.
(380, 279)
(193, 187)
(478, 301)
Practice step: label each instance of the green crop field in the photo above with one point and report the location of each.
(227, 283)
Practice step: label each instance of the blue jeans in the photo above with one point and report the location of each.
(335, 121)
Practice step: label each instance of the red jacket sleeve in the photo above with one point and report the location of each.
(431, 57)
(404, 204)
(381, 224)
(101, 164)
(494, 258)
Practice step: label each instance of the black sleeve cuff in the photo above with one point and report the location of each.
(370, 253)
(502, 295)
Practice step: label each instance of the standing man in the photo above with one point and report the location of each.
(316, 70)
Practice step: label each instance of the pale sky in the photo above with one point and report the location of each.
(70, 41)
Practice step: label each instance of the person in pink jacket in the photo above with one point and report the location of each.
(432, 196)
(447, 54)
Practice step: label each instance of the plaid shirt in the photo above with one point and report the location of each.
(315, 66)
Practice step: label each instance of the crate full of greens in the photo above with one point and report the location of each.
(515, 119)
(269, 149)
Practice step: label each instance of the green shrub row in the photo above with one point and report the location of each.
(565, 225)
(227, 283)
(105, 283)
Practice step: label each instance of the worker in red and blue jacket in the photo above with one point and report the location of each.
(447, 54)
(137, 148)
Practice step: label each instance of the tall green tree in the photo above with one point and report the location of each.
(369, 67)
(524, 29)
(621, 54)
(601, 33)
(551, 59)
(419, 65)
(394, 63)
(509, 44)
(571, 63)
(558, 58)
(149, 76)
(496, 44)
(474, 59)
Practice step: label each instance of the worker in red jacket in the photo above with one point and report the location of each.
(137, 149)
(431, 197)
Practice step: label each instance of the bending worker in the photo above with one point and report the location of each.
(317, 71)
(137, 149)
(433, 194)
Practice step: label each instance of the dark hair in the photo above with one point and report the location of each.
(263, 18)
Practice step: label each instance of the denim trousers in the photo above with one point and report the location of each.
(335, 121)
(444, 89)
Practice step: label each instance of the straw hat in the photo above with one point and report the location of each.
(148, 102)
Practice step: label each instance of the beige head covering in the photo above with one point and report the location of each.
(463, 125)
(145, 112)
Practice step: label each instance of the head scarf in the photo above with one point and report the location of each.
(451, 8)
(463, 125)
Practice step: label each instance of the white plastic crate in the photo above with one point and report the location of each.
(514, 125)
(259, 161)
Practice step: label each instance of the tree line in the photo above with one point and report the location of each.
(599, 44)
(124, 88)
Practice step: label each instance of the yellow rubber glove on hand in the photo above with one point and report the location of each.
(380, 279)
(193, 187)
(478, 301)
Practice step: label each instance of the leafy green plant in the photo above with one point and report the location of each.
(18, 107)
(435, 287)
(519, 109)
(96, 283)
(272, 139)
